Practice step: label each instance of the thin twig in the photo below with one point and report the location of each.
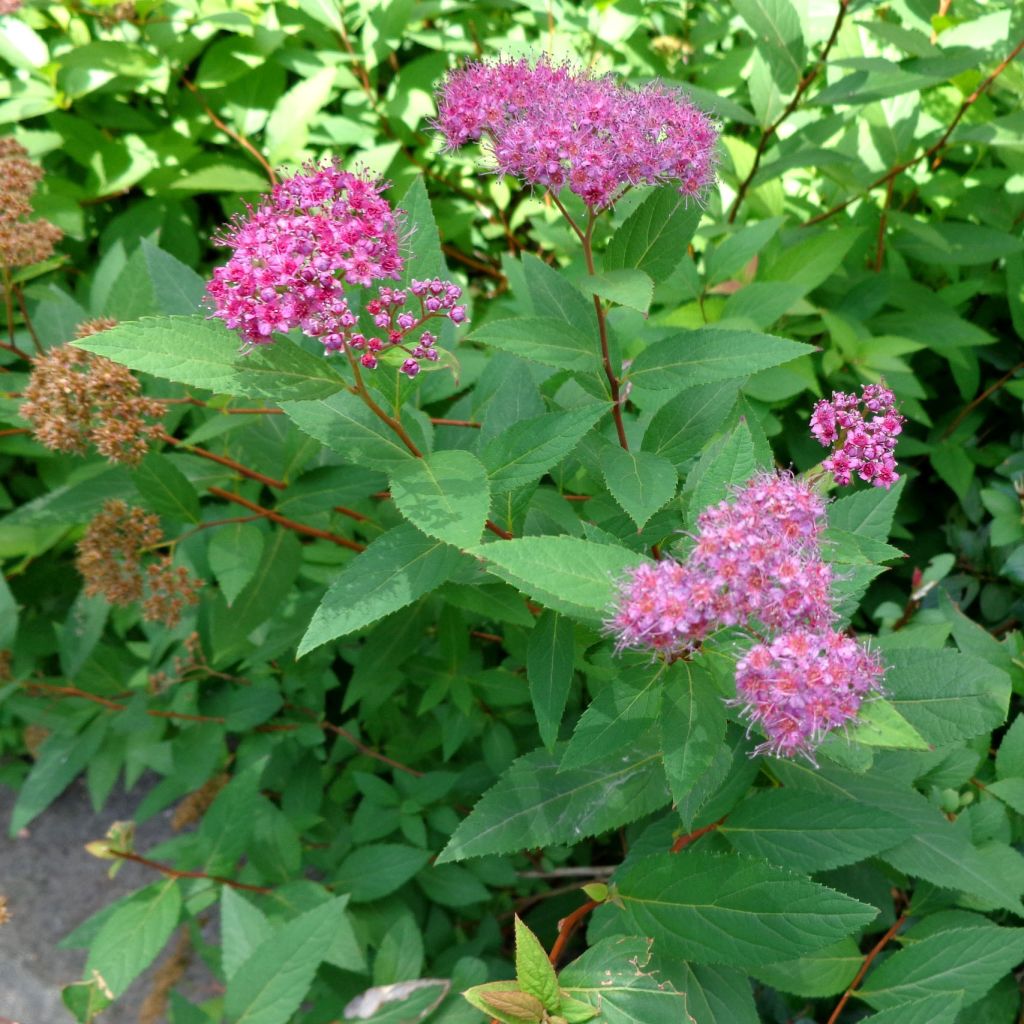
(883, 223)
(691, 837)
(566, 927)
(933, 150)
(223, 460)
(868, 960)
(975, 402)
(802, 86)
(237, 136)
(28, 320)
(289, 524)
(166, 869)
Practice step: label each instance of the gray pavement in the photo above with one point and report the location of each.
(52, 885)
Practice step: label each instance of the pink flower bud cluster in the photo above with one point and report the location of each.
(293, 254)
(756, 563)
(802, 685)
(553, 126)
(863, 439)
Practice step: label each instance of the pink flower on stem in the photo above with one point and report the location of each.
(554, 126)
(863, 439)
(294, 253)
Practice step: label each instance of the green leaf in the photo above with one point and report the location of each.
(616, 977)
(372, 872)
(132, 936)
(714, 994)
(641, 482)
(61, 758)
(203, 353)
(345, 424)
(946, 696)
(570, 575)
(867, 513)
(736, 250)
(533, 804)
(404, 1002)
(826, 972)
(243, 928)
(967, 961)
(1010, 756)
(692, 722)
(653, 238)
(529, 448)
(550, 653)
(533, 968)
(445, 494)
(227, 826)
(879, 724)
(287, 128)
(551, 295)
(958, 244)
(543, 339)
(177, 288)
(506, 1002)
(811, 833)
(398, 568)
(8, 615)
(270, 986)
(234, 552)
(165, 489)
(424, 258)
(622, 711)
(776, 27)
(690, 358)
(940, 1009)
(729, 463)
(684, 424)
(730, 910)
(626, 287)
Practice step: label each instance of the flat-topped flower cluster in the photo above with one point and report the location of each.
(553, 126)
(756, 563)
(295, 252)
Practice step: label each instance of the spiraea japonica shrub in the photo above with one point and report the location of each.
(454, 482)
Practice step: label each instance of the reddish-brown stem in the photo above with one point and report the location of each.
(498, 531)
(166, 869)
(369, 751)
(586, 240)
(492, 637)
(189, 400)
(975, 402)
(11, 345)
(289, 524)
(441, 422)
(15, 430)
(239, 138)
(566, 927)
(691, 837)
(868, 960)
(351, 513)
(28, 320)
(472, 261)
(802, 86)
(932, 151)
(223, 460)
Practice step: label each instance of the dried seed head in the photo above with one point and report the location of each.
(192, 807)
(74, 397)
(99, 324)
(22, 242)
(34, 736)
(5, 914)
(169, 589)
(109, 555)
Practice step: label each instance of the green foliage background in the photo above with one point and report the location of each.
(871, 206)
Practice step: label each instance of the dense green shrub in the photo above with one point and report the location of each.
(358, 635)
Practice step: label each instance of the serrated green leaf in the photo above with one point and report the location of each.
(690, 358)
(692, 723)
(626, 287)
(826, 972)
(724, 465)
(535, 805)
(616, 977)
(810, 833)
(270, 986)
(879, 724)
(776, 27)
(966, 961)
(731, 910)
(8, 615)
(505, 1001)
(445, 495)
(684, 424)
(165, 489)
(940, 1009)
(531, 447)
(653, 238)
(399, 567)
(203, 353)
(243, 928)
(550, 654)
(374, 871)
(533, 968)
(543, 339)
(424, 258)
(552, 295)
(641, 482)
(234, 552)
(134, 934)
(714, 994)
(570, 575)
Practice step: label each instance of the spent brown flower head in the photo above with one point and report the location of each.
(74, 398)
(192, 807)
(110, 559)
(5, 914)
(22, 241)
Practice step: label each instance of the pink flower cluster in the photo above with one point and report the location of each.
(864, 440)
(293, 254)
(553, 126)
(756, 563)
(802, 685)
